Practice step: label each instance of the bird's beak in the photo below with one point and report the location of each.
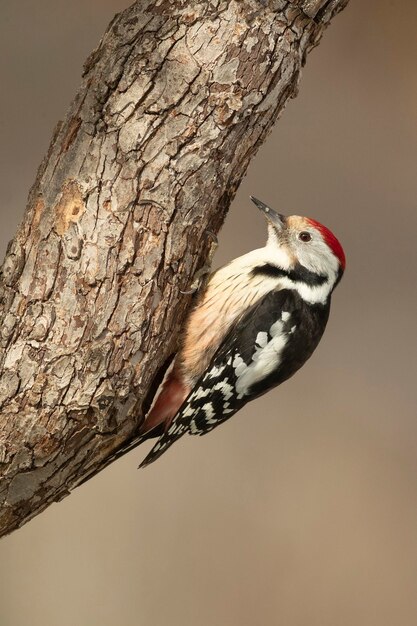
(276, 219)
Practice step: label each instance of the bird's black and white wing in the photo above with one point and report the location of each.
(255, 356)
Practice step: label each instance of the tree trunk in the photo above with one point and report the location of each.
(173, 104)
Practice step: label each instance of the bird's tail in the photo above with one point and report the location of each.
(160, 447)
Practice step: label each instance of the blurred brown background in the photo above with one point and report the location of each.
(302, 510)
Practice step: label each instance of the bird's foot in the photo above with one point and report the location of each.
(203, 272)
(198, 281)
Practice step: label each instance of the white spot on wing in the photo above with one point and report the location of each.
(208, 410)
(264, 359)
(200, 393)
(276, 329)
(194, 428)
(262, 339)
(215, 371)
(188, 411)
(225, 388)
(239, 365)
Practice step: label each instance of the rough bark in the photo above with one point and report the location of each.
(173, 104)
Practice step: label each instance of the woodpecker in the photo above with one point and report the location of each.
(257, 321)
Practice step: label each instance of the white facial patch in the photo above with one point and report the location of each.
(275, 252)
(317, 257)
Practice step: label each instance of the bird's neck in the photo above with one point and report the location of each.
(265, 272)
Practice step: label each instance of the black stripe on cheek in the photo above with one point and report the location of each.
(268, 271)
(298, 274)
(302, 274)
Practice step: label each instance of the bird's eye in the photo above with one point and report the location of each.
(304, 236)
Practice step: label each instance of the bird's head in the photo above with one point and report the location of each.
(303, 248)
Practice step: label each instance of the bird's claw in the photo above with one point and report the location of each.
(145, 201)
(213, 236)
(198, 280)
